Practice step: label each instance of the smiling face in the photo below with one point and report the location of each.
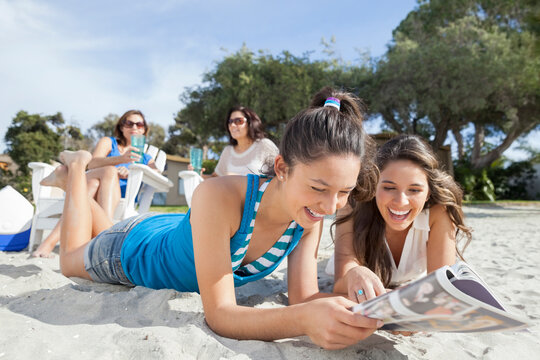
(402, 192)
(238, 131)
(134, 120)
(319, 188)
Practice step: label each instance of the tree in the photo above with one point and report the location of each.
(276, 87)
(33, 137)
(462, 65)
(155, 135)
(103, 128)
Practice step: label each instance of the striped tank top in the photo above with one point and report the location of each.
(273, 255)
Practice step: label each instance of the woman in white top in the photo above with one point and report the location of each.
(409, 228)
(249, 150)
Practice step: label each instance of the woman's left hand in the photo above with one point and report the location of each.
(123, 172)
(363, 284)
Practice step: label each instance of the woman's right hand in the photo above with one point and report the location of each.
(123, 172)
(191, 168)
(362, 278)
(330, 323)
(130, 155)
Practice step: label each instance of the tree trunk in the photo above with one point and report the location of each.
(459, 140)
(205, 152)
(391, 120)
(479, 136)
(441, 132)
(481, 161)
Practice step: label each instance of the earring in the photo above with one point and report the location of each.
(281, 177)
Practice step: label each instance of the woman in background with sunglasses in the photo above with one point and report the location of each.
(108, 170)
(117, 152)
(249, 150)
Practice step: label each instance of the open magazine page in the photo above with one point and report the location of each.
(433, 304)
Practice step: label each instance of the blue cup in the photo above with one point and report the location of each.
(138, 141)
(195, 158)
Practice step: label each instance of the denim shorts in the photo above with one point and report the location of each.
(102, 254)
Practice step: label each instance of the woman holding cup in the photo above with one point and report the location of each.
(108, 170)
(249, 151)
(119, 151)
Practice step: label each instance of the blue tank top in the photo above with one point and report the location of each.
(158, 252)
(116, 152)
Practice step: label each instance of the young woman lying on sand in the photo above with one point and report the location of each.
(238, 230)
(410, 227)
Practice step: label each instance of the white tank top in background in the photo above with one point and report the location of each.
(413, 261)
(250, 161)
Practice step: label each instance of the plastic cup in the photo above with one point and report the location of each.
(195, 158)
(138, 141)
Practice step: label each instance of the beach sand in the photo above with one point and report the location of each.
(44, 315)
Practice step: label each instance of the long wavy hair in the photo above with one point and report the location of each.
(368, 224)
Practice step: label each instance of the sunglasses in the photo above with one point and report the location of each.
(239, 121)
(129, 124)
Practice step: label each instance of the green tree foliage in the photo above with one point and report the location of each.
(103, 128)
(34, 137)
(460, 65)
(276, 87)
(156, 135)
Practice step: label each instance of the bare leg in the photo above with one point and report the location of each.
(47, 246)
(108, 193)
(100, 220)
(93, 186)
(76, 228)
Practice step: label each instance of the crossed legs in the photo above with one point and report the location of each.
(83, 218)
(102, 184)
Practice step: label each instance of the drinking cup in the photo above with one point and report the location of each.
(195, 158)
(138, 141)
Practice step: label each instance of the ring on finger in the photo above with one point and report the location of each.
(360, 292)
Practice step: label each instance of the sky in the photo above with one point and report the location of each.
(87, 59)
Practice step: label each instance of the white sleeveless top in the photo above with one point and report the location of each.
(413, 261)
(250, 161)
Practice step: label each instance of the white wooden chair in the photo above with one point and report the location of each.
(191, 180)
(49, 201)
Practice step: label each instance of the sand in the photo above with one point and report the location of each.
(44, 315)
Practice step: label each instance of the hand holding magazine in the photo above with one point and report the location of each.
(451, 299)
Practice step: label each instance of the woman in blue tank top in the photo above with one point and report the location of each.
(238, 230)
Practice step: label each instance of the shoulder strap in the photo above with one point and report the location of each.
(114, 146)
(249, 204)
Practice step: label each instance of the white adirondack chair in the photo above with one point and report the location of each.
(49, 201)
(191, 180)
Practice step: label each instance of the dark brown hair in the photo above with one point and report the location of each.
(368, 224)
(254, 123)
(118, 128)
(321, 130)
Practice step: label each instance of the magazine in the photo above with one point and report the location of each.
(450, 299)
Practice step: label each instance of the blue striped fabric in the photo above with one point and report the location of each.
(272, 255)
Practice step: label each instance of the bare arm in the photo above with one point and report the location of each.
(218, 199)
(441, 246)
(302, 268)
(104, 147)
(350, 274)
(99, 155)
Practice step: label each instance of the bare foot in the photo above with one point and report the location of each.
(44, 250)
(69, 157)
(57, 178)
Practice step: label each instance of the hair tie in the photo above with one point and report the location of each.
(332, 101)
